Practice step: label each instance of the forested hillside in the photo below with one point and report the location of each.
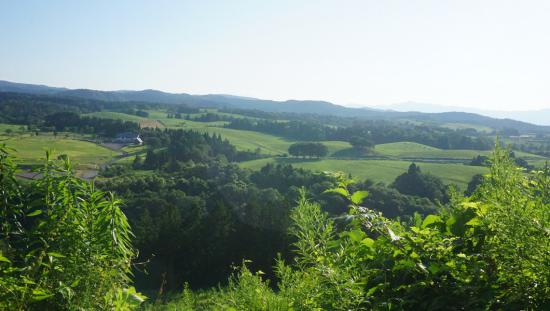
(289, 106)
(244, 209)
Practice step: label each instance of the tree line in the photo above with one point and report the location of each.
(73, 122)
(308, 149)
(371, 131)
(168, 149)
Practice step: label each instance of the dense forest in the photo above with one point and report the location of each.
(237, 213)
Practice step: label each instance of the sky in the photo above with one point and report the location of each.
(480, 54)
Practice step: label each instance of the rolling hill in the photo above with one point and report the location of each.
(289, 106)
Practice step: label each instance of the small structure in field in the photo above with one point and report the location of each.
(128, 138)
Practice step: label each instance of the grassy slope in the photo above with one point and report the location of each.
(115, 115)
(143, 122)
(380, 170)
(273, 145)
(414, 150)
(456, 126)
(31, 150)
(243, 140)
(12, 127)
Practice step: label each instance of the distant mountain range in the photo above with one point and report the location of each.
(540, 117)
(289, 106)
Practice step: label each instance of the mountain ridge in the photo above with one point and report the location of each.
(537, 116)
(288, 106)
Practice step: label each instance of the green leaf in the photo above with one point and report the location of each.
(27, 281)
(358, 196)
(357, 235)
(4, 259)
(37, 212)
(341, 191)
(434, 268)
(417, 220)
(40, 294)
(474, 222)
(57, 255)
(368, 242)
(41, 297)
(470, 204)
(75, 283)
(450, 223)
(372, 290)
(431, 219)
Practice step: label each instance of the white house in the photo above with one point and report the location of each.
(128, 138)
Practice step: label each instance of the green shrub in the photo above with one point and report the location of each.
(63, 244)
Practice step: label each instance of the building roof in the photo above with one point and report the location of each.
(128, 134)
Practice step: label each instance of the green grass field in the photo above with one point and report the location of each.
(115, 115)
(11, 128)
(461, 126)
(31, 150)
(415, 150)
(379, 170)
(273, 145)
(143, 122)
(243, 140)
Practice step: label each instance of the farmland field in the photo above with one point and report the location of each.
(415, 150)
(459, 126)
(379, 170)
(31, 150)
(5, 128)
(115, 115)
(143, 122)
(243, 140)
(274, 145)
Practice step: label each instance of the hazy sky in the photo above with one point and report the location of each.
(483, 54)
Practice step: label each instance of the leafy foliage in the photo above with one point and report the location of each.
(64, 244)
(490, 251)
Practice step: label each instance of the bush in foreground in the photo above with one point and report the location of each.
(63, 244)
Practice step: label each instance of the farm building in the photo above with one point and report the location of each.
(128, 138)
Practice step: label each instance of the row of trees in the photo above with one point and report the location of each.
(31, 110)
(308, 149)
(168, 149)
(368, 133)
(71, 121)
